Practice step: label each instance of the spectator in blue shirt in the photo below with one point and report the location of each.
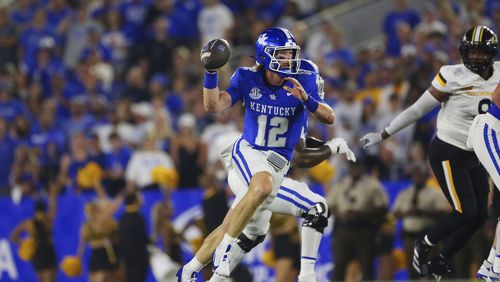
(79, 120)
(83, 82)
(21, 130)
(46, 65)
(46, 131)
(59, 15)
(115, 39)
(94, 45)
(30, 38)
(401, 14)
(99, 13)
(115, 164)
(23, 15)
(9, 107)
(133, 13)
(178, 25)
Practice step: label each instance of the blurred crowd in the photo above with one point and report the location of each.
(112, 89)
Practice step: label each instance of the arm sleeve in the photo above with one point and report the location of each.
(423, 105)
(234, 88)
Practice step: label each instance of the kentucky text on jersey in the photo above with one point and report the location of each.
(268, 109)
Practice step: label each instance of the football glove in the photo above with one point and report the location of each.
(372, 138)
(339, 146)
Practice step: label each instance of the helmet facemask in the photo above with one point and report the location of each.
(283, 65)
(477, 65)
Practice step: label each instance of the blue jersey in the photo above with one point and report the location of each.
(274, 119)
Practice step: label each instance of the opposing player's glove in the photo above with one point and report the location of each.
(372, 138)
(339, 146)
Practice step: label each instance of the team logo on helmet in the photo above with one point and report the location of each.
(262, 39)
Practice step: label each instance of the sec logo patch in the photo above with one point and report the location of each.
(255, 93)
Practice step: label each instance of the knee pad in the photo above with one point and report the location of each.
(317, 217)
(246, 244)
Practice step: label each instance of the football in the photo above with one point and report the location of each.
(215, 54)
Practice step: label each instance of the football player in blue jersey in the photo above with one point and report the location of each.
(293, 198)
(276, 94)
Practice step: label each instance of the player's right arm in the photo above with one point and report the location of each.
(431, 98)
(215, 101)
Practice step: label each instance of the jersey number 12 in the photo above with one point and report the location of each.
(278, 126)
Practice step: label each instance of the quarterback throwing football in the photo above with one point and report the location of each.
(277, 95)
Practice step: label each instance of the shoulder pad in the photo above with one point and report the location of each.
(308, 66)
(453, 72)
(244, 71)
(251, 69)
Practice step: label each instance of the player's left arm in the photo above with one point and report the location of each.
(305, 157)
(430, 99)
(310, 156)
(318, 109)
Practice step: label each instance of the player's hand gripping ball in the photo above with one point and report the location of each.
(215, 54)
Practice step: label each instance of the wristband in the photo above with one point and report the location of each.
(210, 81)
(311, 104)
(385, 133)
(330, 145)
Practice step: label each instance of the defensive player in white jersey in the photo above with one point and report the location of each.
(483, 138)
(277, 97)
(463, 91)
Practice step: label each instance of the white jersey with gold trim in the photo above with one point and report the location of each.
(470, 95)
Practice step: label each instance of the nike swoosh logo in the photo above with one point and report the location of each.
(288, 94)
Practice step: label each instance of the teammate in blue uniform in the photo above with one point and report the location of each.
(276, 94)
